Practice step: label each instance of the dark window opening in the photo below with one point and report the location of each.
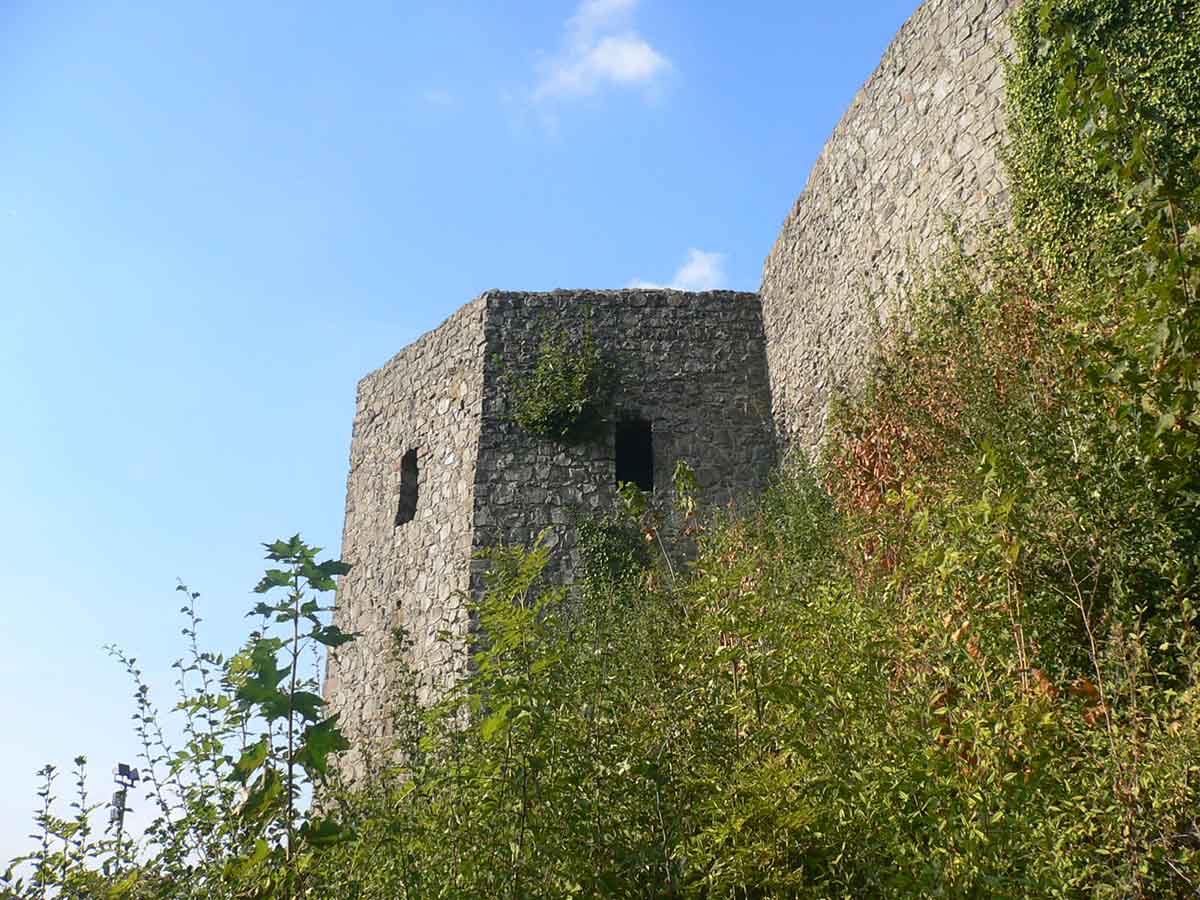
(408, 488)
(635, 453)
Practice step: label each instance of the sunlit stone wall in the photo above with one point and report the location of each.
(920, 143)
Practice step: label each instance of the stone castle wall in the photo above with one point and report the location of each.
(920, 142)
(694, 365)
(427, 398)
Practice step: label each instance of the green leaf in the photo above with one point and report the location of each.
(331, 636)
(325, 832)
(291, 550)
(251, 760)
(307, 704)
(334, 567)
(263, 796)
(320, 740)
(273, 578)
(261, 688)
(495, 722)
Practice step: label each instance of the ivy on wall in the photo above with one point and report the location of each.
(1152, 49)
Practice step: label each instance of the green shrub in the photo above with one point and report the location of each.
(565, 395)
(231, 817)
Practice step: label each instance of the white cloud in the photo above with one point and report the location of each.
(598, 15)
(700, 272)
(600, 48)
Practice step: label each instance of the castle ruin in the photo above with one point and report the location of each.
(724, 381)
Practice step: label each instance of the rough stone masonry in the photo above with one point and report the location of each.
(438, 471)
(726, 381)
(919, 146)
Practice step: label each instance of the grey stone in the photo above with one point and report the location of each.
(832, 257)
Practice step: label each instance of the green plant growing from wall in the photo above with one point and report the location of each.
(1063, 197)
(565, 396)
(1152, 346)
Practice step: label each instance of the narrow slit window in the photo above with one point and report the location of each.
(407, 508)
(635, 453)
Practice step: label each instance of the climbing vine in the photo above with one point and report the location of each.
(1061, 196)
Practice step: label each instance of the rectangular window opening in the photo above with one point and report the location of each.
(407, 508)
(635, 453)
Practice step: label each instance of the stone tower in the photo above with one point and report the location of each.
(438, 470)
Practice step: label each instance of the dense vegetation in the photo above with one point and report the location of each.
(957, 656)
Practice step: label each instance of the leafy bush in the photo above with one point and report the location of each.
(565, 395)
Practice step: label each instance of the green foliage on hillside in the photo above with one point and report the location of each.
(958, 656)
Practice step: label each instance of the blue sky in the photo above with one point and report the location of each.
(216, 217)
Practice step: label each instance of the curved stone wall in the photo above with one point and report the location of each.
(919, 143)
